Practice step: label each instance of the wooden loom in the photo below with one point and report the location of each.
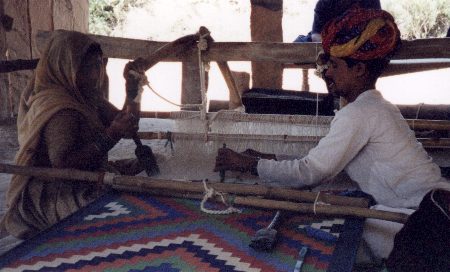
(200, 134)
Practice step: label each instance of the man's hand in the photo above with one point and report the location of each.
(228, 159)
(124, 125)
(257, 154)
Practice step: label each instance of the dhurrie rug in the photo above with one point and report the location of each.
(138, 232)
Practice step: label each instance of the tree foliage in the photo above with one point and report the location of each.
(418, 19)
(415, 18)
(105, 15)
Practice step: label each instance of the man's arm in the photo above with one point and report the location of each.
(346, 138)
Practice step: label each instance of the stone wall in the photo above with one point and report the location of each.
(18, 43)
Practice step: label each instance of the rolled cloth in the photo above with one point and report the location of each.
(361, 34)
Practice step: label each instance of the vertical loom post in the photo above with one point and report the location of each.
(222, 172)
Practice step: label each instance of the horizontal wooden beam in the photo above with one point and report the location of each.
(304, 53)
(428, 143)
(113, 47)
(7, 66)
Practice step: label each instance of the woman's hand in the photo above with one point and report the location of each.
(134, 74)
(124, 125)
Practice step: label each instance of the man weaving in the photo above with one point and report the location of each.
(368, 138)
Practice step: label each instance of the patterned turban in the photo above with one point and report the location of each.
(361, 34)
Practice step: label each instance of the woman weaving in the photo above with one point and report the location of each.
(65, 121)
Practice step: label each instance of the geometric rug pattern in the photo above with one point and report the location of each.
(138, 232)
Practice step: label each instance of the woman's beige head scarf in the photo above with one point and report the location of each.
(52, 90)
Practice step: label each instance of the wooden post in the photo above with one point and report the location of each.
(29, 17)
(266, 25)
(190, 82)
(4, 112)
(18, 47)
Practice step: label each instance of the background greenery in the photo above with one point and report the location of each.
(415, 18)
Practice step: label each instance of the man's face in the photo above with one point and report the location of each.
(339, 78)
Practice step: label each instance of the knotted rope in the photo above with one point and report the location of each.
(209, 193)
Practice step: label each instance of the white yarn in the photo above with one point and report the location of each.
(143, 80)
(209, 192)
(316, 202)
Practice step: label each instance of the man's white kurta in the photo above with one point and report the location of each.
(370, 139)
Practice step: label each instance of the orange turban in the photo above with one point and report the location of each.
(361, 34)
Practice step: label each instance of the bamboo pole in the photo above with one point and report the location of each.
(149, 184)
(338, 205)
(191, 190)
(319, 209)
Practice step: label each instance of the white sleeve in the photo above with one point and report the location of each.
(349, 133)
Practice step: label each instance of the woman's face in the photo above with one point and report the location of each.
(90, 75)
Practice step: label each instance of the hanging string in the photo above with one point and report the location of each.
(170, 102)
(209, 193)
(437, 204)
(317, 202)
(202, 46)
(417, 115)
(317, 110)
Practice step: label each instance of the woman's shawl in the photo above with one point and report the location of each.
(52, 90)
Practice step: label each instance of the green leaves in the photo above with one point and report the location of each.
(105, 15)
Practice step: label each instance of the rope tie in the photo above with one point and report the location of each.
(317, 202)
(437, 204)
(209, 193)
(170, 102)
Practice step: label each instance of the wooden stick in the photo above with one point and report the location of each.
(392, 69)
(156, 114)
(321, 209)
(426, 142)
(224, 137)
(147, 184)
(429, 124)
(435, 142)
(422, 124)
(177, 48)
